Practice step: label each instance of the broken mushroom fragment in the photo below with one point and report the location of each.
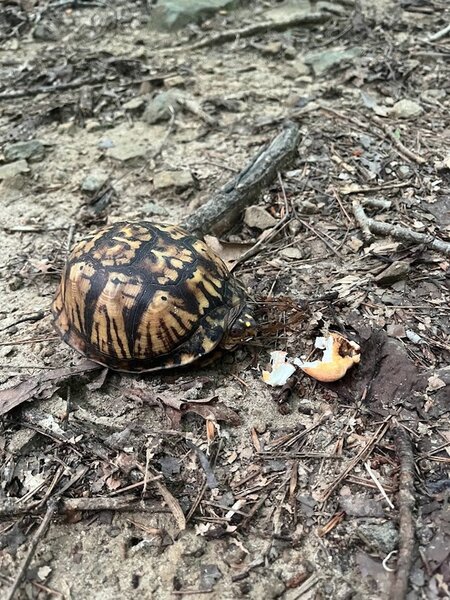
(339, 354)
(281, 370)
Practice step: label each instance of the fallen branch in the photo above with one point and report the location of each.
(11, 507)
(372, 226)
(405, 499)
(225, 207)
(265, 26)
(40, 532)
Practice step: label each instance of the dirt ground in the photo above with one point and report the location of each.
(307, 491)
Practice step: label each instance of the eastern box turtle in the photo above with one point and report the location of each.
(144, 296)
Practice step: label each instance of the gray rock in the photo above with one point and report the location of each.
(21, 441)
(332, 7)
(178, 179)
(92, 125)
(159, 107)
(32, 149)
(94, 181)
(126, 151)
(175, 14)
(134, 103)
(209, 576)
(321, 62)
(258, 217)
(271, 49)
(12, 169)
(300, 67)
(404, 171)
(292, 252)
(397, 271)
(383, 536)
(406, 109)
(151, 208)
(288, 10)
(68, 128)
(125, 142)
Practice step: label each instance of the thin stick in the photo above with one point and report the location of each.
(439, 34)
(320, 236)
(12, 507)
(50, 338)
(394, 139)
(40, 532)
(260, 244)
(406, 503)
(403, 234)
(378, 484)
(234, 34)
(364, 453)
(342, 207)
(385, 128)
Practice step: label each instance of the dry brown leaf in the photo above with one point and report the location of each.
(40, 386)
(229, 252)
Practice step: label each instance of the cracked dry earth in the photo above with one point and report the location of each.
(267, 512)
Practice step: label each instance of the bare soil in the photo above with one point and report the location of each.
(296, 493)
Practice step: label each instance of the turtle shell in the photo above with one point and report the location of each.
(144, 296)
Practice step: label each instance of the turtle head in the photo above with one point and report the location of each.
(241, 327)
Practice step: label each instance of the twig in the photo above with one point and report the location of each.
(12, 507)
(439, 34)
(40, 532)
(364, 453)
(51, 89)
(402, 148)
(356, 189)
(163, 142)
(196, 502)
(372, 226)
(406, 504)
(378, 484)
(385, 128)
(263, 240)
(29, 340)
(211, 480)
(225, 207)
(362, 220)
(320, 236)
(342, 207)
(263, 27)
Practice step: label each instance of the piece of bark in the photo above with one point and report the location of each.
(223, 210)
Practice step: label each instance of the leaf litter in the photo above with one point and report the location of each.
(237, 478)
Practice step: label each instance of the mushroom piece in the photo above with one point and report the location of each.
(339, 354)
